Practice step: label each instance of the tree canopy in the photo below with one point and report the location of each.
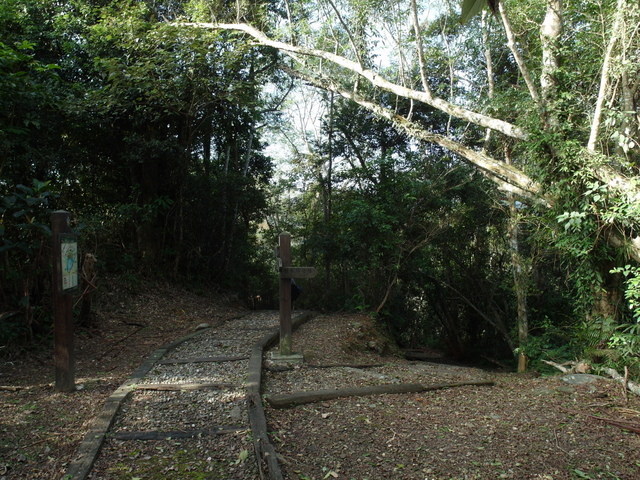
(473, 176)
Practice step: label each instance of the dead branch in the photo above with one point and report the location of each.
(9, 388)
(631, 386)
(299, 398)
(575, 367)
(562, 368)
(625, 384)
(118, 342)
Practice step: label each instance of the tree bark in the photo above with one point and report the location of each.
(604, 77)
(519, 275)
(550, 32)
(522, 66)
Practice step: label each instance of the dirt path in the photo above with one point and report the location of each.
(523, 428)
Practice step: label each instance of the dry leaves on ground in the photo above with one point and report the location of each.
(41, 429)
(523, 428)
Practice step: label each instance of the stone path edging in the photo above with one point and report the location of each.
(265, 452)
(90, 447)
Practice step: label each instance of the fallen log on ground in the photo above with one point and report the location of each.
(628, 385)
(298, 398)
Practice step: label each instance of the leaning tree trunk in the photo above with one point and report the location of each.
(508, 179)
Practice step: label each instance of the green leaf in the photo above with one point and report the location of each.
(580, 473)
(244, 454)
(470, 8)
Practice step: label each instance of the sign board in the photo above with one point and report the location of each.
(298, 272)
(69, 262)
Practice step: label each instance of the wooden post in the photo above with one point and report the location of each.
(63, 353)
(285, 295)
(287, 273)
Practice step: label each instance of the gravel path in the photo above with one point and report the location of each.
(189, 420)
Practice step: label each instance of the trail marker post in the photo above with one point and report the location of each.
(287, 273)
(64, 283)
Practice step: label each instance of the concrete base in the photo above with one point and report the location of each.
(294, 358)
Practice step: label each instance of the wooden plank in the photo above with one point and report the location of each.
(299, 398)
(63, 345)
(284, 241)
(180, 361)
(155, 435)
(174, 387)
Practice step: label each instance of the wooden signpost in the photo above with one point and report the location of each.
(64, 283)
(287, 273)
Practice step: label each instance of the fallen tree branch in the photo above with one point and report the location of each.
(631, 386)
(298, 398)
(10, 388)
(562, 368)
(625, 384)
(118, 342)
(576, 367)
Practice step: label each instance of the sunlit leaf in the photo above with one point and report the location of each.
(470, 8)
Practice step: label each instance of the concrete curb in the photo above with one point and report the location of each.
(265, 452)
(90, 447)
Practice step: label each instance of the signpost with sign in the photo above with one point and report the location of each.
(64, 283)
(287, 273)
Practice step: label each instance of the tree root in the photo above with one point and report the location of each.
(630, 426)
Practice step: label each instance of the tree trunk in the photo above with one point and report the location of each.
(148, 232)
(550, 32)
(519, 275)
(327, 192)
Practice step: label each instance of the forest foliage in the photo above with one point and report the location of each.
(472, 184)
